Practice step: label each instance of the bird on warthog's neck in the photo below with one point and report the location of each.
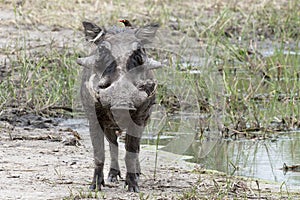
(125, 22)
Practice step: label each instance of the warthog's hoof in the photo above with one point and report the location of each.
(98, 179)
(132, 182)
(113, 175)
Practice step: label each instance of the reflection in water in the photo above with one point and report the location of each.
(254, 158)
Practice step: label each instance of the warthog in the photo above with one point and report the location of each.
(117, 92)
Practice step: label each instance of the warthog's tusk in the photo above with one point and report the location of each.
(87, 61)
(153, 64)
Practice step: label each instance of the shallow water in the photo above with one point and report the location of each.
(254, 158)
(244, 157)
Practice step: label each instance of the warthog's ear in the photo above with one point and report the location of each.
(146, 34)
(93, 33)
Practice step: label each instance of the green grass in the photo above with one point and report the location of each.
(85, 194)
(41, 82)
(263, 91)
(258, 90)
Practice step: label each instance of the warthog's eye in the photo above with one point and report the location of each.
(137, 58)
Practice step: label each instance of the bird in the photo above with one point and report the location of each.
(125, 22)
(116, 29)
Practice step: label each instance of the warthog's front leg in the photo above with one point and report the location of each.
(98, 178)
(97, 137)
(132, 162)
(114, 171)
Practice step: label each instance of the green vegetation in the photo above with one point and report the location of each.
(81, 194)
(256, 51)
(41, 82)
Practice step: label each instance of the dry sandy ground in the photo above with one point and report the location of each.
(49, 164)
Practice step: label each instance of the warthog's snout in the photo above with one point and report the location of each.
(122, 95)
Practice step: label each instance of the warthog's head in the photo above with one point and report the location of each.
(121, 76)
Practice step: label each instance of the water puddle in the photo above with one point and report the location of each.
(254, 158)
